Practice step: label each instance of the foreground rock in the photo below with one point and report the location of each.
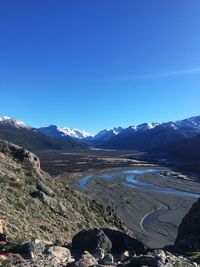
(188, 238)
(37, 253)
(109, 240)
(91, 240)
(85, 260)
(158, 258)
(122, 242)
(56, 256)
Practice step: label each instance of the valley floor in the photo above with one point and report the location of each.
(153, 216)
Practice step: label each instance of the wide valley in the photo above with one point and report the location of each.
(150, 197)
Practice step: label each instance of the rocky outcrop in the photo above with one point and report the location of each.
(45, 189)
(54, 204)
(40, 254)
(188, 238)
(110, 240)
(21, 154)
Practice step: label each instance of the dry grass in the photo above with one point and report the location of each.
(27, 217)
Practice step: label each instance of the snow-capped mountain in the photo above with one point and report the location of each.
(8, 121)
(104, 134)
(154, 136)
(146, 126)
(76, 133)
(146, 136)
(190, 125)
(21, 134)
(59, 132)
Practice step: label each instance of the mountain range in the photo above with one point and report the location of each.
(155, 136)
(182, 136)
(20, 133)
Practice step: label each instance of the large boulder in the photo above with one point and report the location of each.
(188, 238)
(91, 240)
(122, 241)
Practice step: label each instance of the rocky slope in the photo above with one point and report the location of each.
(188, 238)
(189, 148)
(33, 205)
(40, 220)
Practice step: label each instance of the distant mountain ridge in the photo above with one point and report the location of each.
(103, 136)
(154, 136)
(21, 134)
(8, 121)
(161, 136)
(65, 132)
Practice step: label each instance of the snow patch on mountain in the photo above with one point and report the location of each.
(107, 133)
(56, 131)
(191, 124)
(8, 121)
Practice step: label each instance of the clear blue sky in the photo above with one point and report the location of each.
(96, 64)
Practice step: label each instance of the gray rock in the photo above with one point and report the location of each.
(53, 203)
(29, 249)
(124, 256)
(86, 260)
(45, 189)
(122, 241)
(188, 238)
(11, 260)
(108, 259)
(99, 253)
(91, 240)
(139, 261)
(59, 255)
(157, 258)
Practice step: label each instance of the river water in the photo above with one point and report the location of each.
(130, 180)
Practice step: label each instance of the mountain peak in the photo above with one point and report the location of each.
(56, 131)
(5, 120)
